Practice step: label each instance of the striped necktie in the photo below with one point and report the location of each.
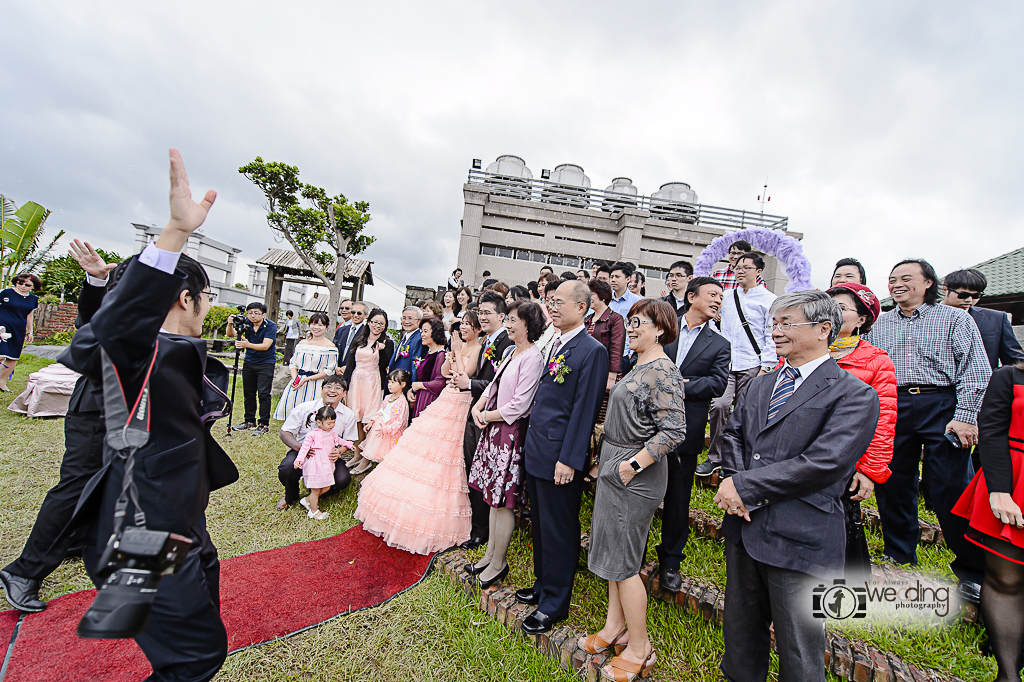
(783, 392)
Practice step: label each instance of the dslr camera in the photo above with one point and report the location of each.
(241, 322)
(132, 565)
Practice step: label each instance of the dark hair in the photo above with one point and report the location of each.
(641, 280)
(843, 262)
(602, 289)
(550, 277)
(488, 283)
(627, 268)
(861, 308)
(290, 314)
(685, 265)
(603, 268)
(548, 268)
(755, 258)
(363, 337)
(743, 244)
(436, 330)
(661, 314)
(485, 273)
(326, 412)
(530, 313)
(931, 295)
(520, 292)
(568, 274)
(402, 376)
(469, 317)
(586, 273)
(458, 270)
(255, 305)
(966, 279)
(532, 288)
(551, 286)
(599, 263)
(321, 318)
(335, 379)
(36, 284)
(694, 287)
(494, 298)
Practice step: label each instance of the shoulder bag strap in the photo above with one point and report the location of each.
(746, 325)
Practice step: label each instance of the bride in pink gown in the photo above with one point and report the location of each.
(417, 499)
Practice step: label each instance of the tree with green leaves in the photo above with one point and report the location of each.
(20, 231)
(324, 230)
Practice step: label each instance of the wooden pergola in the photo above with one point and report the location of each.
(284, 265)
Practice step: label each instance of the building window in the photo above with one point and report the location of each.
(565, 261)
(533, 256)
(497, 251)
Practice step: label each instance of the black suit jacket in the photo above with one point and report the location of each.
(706, 369)
(341, 338)
(671, 300)
(484, 374)
(87, 396)
(996, 333)
(792, 471)
(181, 463)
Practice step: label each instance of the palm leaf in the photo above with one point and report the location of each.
(18, 231)
(7, 208)
(36, 258)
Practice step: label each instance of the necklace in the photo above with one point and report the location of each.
(844, 344)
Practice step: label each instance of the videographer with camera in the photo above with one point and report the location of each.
(260, 335)
(158, 390)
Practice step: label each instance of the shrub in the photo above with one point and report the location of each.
(62, 338)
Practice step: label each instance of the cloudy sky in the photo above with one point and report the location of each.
(885, 129)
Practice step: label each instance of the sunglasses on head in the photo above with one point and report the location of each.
(967, 294)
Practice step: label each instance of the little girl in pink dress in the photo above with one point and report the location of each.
(387, 424)
(315, 461)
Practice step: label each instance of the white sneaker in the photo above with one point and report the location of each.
(318, 515)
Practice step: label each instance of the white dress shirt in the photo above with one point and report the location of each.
(686, 338)
(756, 306)
(344, 425)
(803, 371)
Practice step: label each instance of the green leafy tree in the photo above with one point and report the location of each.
(63, 276)
(20, 231)
(324, 230)
(217, 319)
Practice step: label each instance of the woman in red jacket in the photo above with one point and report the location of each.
(872, 366)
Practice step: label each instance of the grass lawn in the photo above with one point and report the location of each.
(432, 632)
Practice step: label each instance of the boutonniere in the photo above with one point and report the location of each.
(416, 363)
(558, 369)
(489, 356)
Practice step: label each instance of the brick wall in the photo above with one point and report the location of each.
(50, 319)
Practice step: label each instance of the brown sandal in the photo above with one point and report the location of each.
(595, 645)
(627, 671)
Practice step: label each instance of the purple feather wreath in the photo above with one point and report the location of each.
(787, 250)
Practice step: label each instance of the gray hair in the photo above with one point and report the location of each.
(580, 293)
(366, 308)
(414, 308)
(817, 306)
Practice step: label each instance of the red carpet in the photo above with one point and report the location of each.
(263, 596)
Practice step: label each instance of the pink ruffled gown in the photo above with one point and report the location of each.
(314, 456)
(417, 499)
(364, 392)
(391, 420)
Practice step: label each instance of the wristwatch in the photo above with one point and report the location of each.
(636, 465)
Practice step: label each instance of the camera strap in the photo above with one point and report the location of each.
(127, 431)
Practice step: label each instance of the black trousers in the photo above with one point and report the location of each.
(756, 596)
(289, 350)
(47, 544)
(555, 525)
(257, 380)
(290, 477)
(675, 517)
(481, 510)
(185, 639)
(921, 421)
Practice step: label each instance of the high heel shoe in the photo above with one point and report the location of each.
(627, 671)
(472, 569)
(595, 645)
(502, 574)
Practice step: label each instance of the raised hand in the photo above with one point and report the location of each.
(90, 261)
(186, 214)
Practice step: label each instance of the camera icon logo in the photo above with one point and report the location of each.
(839, 601)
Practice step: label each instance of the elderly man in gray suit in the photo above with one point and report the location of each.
(789, 450)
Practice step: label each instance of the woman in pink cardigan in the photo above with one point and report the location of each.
(502, 413)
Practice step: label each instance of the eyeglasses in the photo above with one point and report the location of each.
(212, 295)
(635, 322)
(847, 309)
(675, 275)
(786, 326)
(746, 268)
(376, 323)
(555, 305)
(968, 294)
(483, 312)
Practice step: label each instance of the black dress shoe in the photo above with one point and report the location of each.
(968, 591)
(707, 467)
(502, 574)
(538, 623)
(527, 596)
(473, 570)
(473, 542)
(670, 580)
(22, 593)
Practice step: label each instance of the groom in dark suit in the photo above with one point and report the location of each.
(703, 357)
(561, 422)
(789, 451)
(491, 313)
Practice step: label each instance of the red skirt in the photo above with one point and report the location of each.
(984, 526)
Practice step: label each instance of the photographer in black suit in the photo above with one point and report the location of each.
(48, 542)
(702, 356)
(148, 324)
(491, 312)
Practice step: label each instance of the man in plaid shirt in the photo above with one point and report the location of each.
(726, 276)
(942, 373)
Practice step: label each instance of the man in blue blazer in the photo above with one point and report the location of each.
(411, 347)
(964, 289)
(347, 333)
(789, 450)
(561, 423)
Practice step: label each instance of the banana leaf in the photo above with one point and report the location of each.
(19, 235)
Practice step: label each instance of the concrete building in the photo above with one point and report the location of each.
(513, 224)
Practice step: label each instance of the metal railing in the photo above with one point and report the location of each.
(549, 192)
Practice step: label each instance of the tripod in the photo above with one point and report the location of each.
(234, 378)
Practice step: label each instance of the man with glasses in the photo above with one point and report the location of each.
(347, 333)
(727, 275)
(679, 275)
(745, 320)
(941, 376)
(346, 313)
(411, 347)
(964, 288)
(258, 369)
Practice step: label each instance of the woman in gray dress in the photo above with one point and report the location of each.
(644, 423)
